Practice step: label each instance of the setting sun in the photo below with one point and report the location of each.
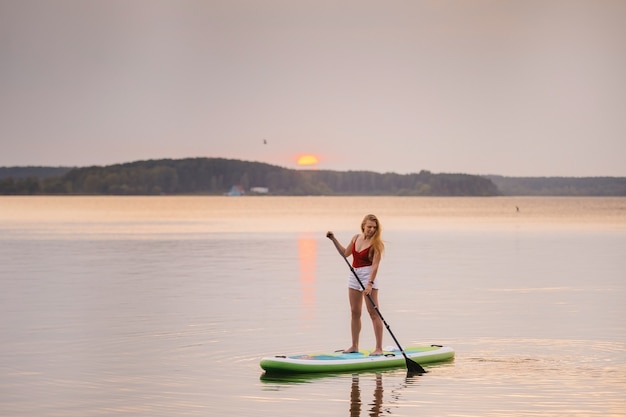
(307, 160)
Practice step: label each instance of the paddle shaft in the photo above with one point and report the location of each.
(411, 365)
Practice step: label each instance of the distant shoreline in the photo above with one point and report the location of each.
(218, 176)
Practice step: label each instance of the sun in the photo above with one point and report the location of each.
(307, 160)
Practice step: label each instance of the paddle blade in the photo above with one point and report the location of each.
(414, 367)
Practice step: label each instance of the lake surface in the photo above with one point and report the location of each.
(163, 306)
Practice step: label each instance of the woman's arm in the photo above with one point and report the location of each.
(375, 264)
(347, 251)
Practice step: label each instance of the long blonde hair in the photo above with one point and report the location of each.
(377, 244)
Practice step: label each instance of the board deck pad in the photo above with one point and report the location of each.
(362, 360)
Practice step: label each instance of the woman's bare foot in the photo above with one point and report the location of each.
(351, 349)
(376, 353)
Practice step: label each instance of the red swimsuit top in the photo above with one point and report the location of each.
(360, 259)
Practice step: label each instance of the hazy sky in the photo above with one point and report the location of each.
(520, 88)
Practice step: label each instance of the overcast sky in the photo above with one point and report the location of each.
(518, 88)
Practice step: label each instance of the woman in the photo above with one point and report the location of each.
(366, 249)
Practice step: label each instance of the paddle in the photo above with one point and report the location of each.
(412, 366)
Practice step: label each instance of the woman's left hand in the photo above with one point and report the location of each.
(368, 289)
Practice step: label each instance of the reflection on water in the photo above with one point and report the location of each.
(366, 393)
(376, 406)
(307, 258)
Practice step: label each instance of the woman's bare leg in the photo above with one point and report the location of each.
(356, 306)
(376, 322)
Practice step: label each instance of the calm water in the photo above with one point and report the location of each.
(163, 306)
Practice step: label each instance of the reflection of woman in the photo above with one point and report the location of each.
(377, 405)
(355, 397)
(366, 249)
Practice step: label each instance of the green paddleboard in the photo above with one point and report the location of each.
(358, 361)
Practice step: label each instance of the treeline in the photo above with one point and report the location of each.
(560, 186)
(217, 175)
(32, 172)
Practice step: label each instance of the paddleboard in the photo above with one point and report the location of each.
(357, 361)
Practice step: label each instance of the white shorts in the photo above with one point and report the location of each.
(364, 274)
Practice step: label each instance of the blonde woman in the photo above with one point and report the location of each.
(366, 249)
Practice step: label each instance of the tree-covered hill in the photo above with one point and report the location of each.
(560, 186)
(217, 176)
(32, 172)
